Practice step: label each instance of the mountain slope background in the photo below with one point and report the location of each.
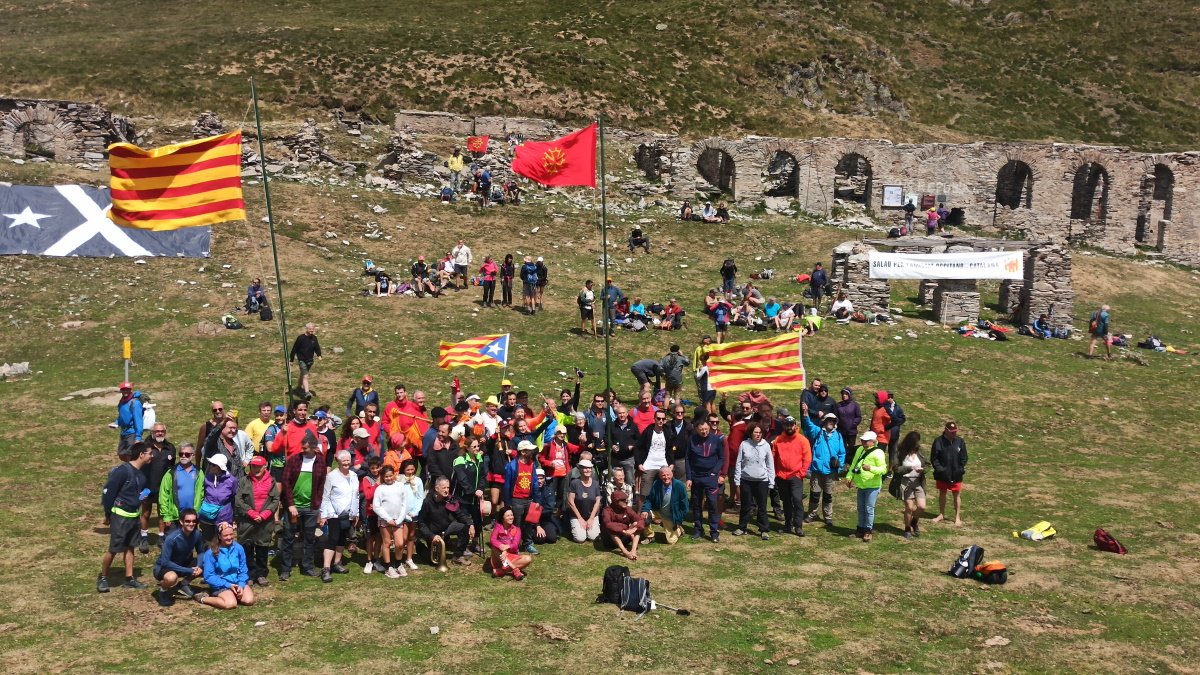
(1108, 71)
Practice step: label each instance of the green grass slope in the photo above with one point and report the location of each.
(1115, 71)
(1052, 436)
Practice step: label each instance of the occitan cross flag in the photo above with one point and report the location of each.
(570, 160)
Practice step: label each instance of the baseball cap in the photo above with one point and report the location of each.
(126, 385)
(361, 433)
(257, 461)
(221, 461)
(473, 397)
(368, 378)
(526, 445)
(868, 436)
(789, 419)
(321, 414)
(540, 259)
(952, 426)
(585, 463)
(826, 416)
(280, 409)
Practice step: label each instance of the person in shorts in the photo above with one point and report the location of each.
(587, 308)
(529, 279)
(176, 566)
(721, 319)
(543, 279)
(122, 499)
(462, 257)
(949, 458)
(1099, 330)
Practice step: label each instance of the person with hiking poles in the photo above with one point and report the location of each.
(828, 455)
(1098, 327)
(949, 458)
(866, 473)
(910, 472)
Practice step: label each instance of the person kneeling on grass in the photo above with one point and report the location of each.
(177, 562)
(866, 474)
(623, 525)
(506, 542)
(668, 500)
(225, 571)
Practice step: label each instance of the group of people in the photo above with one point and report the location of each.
(708, 213)
(318, 490)
(468, 175)
(936, 218)
(453, 272)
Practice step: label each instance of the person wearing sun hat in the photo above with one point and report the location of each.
(828, 455)
(256, 502)
(220, 486)
(522, 487)
(865, 472)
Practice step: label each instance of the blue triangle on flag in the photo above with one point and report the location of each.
(497, 349)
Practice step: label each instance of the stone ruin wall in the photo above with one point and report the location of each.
(65, 131)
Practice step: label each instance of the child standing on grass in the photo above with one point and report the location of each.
(390, 504)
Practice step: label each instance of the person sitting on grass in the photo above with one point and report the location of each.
(668, 500)
(506, 544)
(225, 571)
(421, 280)
(1041, 327)
(256, 296)
(842, 308)
(623, 525)
(786, 317)
(176, 566)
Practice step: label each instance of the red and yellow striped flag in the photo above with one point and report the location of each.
(485, 350)
(774, 363)
(182, 185)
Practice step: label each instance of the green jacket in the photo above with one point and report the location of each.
(167, 508)
(872, 465)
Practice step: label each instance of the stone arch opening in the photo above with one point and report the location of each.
(852, 179)
(783, 175)
(1014, 185)
(1164, 188)
(1089, 193)
(717, 169)
(1158, 191)
(38, 140)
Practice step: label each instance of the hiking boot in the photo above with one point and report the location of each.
(186, 590)
(134, 584)
(866, 536)
(309, 573)
(908, 534)
(326, 576)
(164, 598)
(697, 535)
(809, 517)
(778, 514)
(144, 544)
(799, 531)
(916, 531)
(739, 532)
(284, 576)
(200, 596)
(716, 537)
(764, 536)
(829, 522)
(339, 568)
(101, 584)
(858, 532)
(262, 581)
(461, 560)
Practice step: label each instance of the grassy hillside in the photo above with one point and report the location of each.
(1052, 435)
(1106, 71)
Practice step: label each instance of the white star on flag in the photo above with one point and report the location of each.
(26, 217)
(494, 349)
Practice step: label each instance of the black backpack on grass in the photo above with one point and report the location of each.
(265, 313)
(970, 558)
(614, 579)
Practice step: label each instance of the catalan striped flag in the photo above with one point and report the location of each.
(774, 363)
(485, 350)
(183, 185)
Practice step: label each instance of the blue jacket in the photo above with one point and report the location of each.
(179, 552)
(226, 568)
(529, 273)
(705, 457)
(680, 505)
(129, 416)
(358, 401)
(826, 446)
(510, 480)
(898, 419)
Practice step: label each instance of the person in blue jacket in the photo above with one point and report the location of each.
(226, 571)
(705, 466)
(669, 498)
(828, 456)
(361, 397)
(129, 418)
(176, 565)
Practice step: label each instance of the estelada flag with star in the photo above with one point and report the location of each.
(477, 143)
(485, 350)
(570, 160)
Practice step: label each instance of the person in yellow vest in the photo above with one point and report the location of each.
(456, 164)
(866, 473)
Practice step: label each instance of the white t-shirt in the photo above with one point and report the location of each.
(912, 463)
(842, 304)
(657, 457)
(462, 255)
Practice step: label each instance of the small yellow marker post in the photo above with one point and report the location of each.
(127, 354)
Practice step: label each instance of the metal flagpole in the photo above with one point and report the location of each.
(262, 162)
(607, 309)
(507, 344)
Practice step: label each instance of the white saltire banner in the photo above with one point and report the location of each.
(966, 265)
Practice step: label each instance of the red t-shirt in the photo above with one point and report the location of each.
(524, 485)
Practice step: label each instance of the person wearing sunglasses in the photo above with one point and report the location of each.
(176, 566)
(162, 459)
(217, 419)
(181, 488)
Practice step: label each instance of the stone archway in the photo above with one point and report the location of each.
(716, 168)
(1014, 185)
(1155, 202)
(39, 131)
(1089, 193)
(852, 179)
(781, 175)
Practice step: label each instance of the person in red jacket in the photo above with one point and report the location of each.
(290, 439)
(643, 413)
(400, 414)
(303, 487)
(881, 421)
(623, 525)
(555, 459)
(793, 455)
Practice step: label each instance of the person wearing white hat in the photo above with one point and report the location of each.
(583, 503)
(522, 487)
(865, 472)
(543, 278)
(828, 455)
(220, 487)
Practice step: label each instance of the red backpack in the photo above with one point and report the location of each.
(1106, 542)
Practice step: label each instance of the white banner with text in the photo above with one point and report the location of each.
(967, 265)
